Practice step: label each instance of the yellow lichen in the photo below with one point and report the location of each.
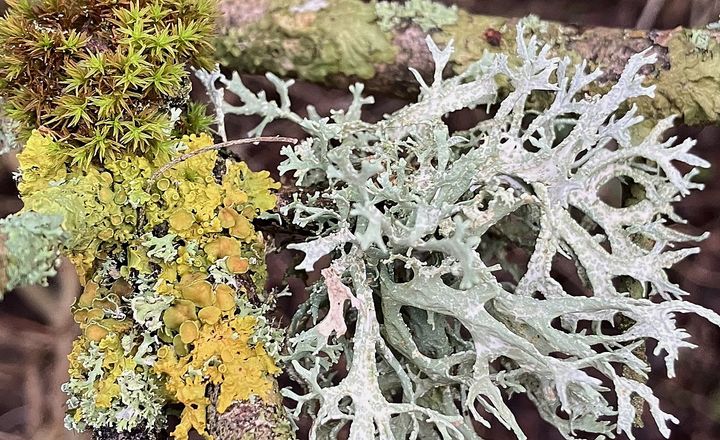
(236, 264)
(180, 312)
(159, 240)
(37, 165)
(225, 298)
(114, 212)
(223, 353)
(210, 314)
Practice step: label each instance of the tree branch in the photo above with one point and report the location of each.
(339, 42)
(254, 140)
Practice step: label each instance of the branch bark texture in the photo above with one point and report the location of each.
(338, 42)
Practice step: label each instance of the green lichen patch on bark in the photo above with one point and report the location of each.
(337, 40)
(690, 86)
(469, 41)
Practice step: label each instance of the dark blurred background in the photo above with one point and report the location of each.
(36, 327)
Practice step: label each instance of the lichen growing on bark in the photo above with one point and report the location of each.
(339, 39)
(149, 254)
(687, 78)
(159, 225)
(426, 306)
(425, 13)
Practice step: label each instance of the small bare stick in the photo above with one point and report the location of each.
(254, 140)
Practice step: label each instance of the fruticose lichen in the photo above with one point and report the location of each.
(309, 6)
(714, 26)
(427, 14)
(158, 223)
(442, 298)
(30, 247)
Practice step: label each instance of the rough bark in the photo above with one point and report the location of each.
(250, 420)
(339, 42)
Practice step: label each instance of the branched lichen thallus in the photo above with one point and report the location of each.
(122, 165)
(434, 321)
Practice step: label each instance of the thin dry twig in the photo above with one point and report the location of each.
(220, 146)
(649, 14)
(703, 12)
(40, 300)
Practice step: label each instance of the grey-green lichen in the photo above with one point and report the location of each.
(425, 13)
(314, 44)
(714, 25)
(427, 304)
(30, 245)
(685, 73)
(310, 6)
(533, 24)
(130, 395)
(700, 38)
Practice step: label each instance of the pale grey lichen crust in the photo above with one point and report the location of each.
(445, 322)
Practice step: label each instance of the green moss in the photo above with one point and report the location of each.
(102, 77)
(342, 39)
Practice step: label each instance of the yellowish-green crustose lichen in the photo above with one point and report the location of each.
(425, 13)
(167, 257)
